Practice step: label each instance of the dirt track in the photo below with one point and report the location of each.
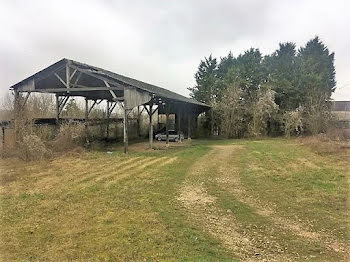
(220, 166)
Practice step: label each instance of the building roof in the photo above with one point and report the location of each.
(341, 105)
(46, 77)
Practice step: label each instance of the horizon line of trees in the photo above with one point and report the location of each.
(286, 92)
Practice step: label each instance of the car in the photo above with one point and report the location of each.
(173, 136)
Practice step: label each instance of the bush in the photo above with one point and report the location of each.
(261, 111)
(231, 112)
(317, 114)
(69, 136)
(32, 148)
(292, 121)
(339, 134)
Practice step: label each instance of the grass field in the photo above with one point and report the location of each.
(237, 200)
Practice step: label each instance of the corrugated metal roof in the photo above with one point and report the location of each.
(341, 105)
(156, 90)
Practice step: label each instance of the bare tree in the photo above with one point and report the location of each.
(261, 110)
(293, 121)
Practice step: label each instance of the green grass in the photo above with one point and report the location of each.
(135, 219)
(299, 183)
(60, 210)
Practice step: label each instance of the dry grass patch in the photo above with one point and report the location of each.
(252, 182)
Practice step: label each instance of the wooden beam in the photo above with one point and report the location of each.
(158, 120)
(116, 88)
(77, 79)
(82, 89)
(107, 122)
(115, 98)
(62, 104)
(120, 103)
(72, 75)
(112, 108)
(145, 107)
(57, 107)
(60, 101)
(138, 121)
(167, 124)
(25, 100)
(179, 124)
(16, 112)
(141, 110)
(61, 80)
(150, 126)
(126, 138)
(155, 110)
(95, 75)
(95, 102)
(86, 120)
(68, 75)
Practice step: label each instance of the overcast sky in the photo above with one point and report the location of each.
(162, 42)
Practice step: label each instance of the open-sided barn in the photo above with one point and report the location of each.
(67, 78)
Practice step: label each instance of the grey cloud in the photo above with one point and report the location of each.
(161, 42)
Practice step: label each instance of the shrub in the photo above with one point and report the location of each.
(317, 114)
(32, 148)
(292, 121)
(69, 136)
(231, 112)
(261, 111)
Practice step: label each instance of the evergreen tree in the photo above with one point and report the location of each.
(316, 69)
(226, 63)
(282, 82)
(316, 82)
(205, 90)
(251, 70)
(282, 70)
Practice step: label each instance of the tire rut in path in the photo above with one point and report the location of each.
(222, 225)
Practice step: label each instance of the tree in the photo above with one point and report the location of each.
(316, 82)
(226, 63)
(72, 109)
(250, 69)
(230, 108)
(282, 70)
(293, 121)
(205, 89)
(261, 110)
(316, 68)
(257, 94)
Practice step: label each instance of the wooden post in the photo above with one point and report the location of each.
(3, 138)
(67, 76)
(16, 114)
(167, 124)
(158, 119)
(57, 111)
(150, 126)
(138, 122)
(179, 124)
(189, 127)
(125, 122)
(107, 121)
(86, 119)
